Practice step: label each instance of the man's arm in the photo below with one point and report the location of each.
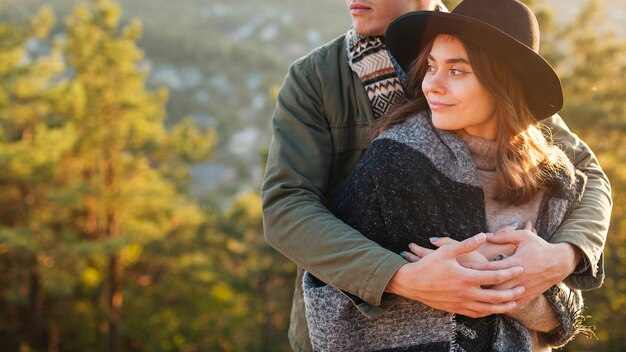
(586, 227)
(296, 220)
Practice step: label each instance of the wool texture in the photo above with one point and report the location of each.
(369, 59)
(415, 182)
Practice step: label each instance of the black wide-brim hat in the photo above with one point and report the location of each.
(508, 28)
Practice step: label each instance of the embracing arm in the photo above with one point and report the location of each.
(555, 313)
(586, 227)
(296, 220)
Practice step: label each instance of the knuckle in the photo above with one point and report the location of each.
(502, 276)
(466, 281)
(463, 295)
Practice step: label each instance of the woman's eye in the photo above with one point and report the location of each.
(430, 68)
(456, 72)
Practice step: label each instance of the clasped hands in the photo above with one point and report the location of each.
(460, 277)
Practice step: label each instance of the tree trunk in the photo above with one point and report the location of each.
(115, 293)
(114, 304)
(37, 328)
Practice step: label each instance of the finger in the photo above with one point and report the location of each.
(474, 309)
(419, 250)
(456, 310)
(410, 257)
(505, 263)
(509, 227)
(508, 237)
(440, 242)
(481, 309)
(507, 285)
(528, 225)
(493, 296)
(494, 277)
(454, 250)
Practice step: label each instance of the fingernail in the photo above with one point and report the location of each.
(402, 254)
(410, 244)
(434, 239)
(489, 234)
(515, 224)
(479, 237)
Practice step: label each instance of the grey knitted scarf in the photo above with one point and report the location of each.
(408, 186)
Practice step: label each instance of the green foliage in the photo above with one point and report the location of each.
(85, 203)
(591, 62)
(101, 246)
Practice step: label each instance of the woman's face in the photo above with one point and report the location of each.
(456, 97)
(371, 17)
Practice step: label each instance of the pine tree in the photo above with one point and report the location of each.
(31, 149)
(91, 182)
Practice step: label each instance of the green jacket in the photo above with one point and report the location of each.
(320, 131)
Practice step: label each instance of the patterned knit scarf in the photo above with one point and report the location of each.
(370, 60)
(380, 74)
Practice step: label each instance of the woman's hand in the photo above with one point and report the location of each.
(485, 253)
(418, 252)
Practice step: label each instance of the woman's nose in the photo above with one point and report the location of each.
(433, 83)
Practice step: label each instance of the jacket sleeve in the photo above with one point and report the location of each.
(296, 220)
(586, 227)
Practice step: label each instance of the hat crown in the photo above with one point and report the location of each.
(509, 16)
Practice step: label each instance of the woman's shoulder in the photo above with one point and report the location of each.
(417, 126)
(418, 137)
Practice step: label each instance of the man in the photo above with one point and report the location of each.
(325, 108)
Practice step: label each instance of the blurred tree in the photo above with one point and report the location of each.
(31, 150)
(102, 249)
(591, 61)
(91, 181)
(262, 278)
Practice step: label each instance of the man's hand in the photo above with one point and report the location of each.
(439, 281)
(544, 264)
(486, 252)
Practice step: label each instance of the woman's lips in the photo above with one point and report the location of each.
(437, 105)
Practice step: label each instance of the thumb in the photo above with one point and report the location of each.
(471, 244)
(511, 237)
(528, 225)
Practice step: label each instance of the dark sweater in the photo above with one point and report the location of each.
(413, 183)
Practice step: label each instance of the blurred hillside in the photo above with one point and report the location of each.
(222, 62)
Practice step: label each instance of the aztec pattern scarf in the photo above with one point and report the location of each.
(370, 60)
(379, 72)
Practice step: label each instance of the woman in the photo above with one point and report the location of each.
(462, 156)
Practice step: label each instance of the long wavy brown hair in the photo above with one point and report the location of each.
(524, 157)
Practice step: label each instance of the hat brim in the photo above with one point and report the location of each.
(408, 34)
